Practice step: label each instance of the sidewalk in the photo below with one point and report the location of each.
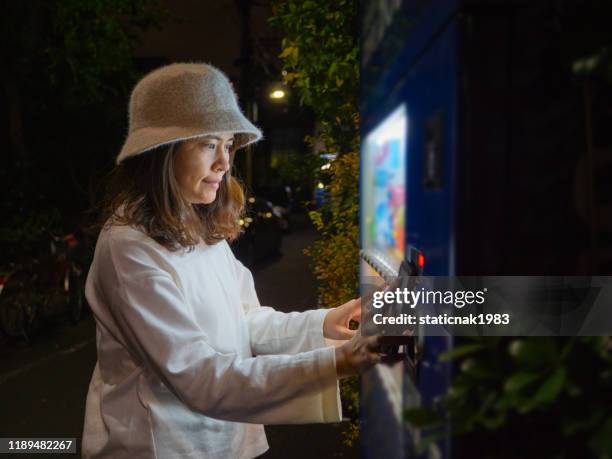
(43, 387)
(289, 285)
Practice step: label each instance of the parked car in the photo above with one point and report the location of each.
(263, 232)
(284, 202)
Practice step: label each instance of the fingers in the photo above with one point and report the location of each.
(353, 306)
(382, 339)
(356, 315)
(392, 358)
(371, 351)
(347, 333)
(372, 344)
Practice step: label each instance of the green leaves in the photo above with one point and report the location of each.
(93, 46)
(548, 391)
(551, 388)
(601, 442)
(505, 386)
(423, 417)
(320, 57)
(29, 226)
(460, 351)
(536, 353)
(520, 380)
(320, 54)
(290, 53)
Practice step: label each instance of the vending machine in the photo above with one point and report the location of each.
(387, 253)
(459, 176)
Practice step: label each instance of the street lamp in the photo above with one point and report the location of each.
(277, 94)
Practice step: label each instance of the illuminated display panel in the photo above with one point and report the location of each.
(383, 186)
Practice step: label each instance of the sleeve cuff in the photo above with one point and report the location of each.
(318, 324)
(317, 327)
(334, 342)
(331, 406)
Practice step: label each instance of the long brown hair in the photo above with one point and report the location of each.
(145, 188)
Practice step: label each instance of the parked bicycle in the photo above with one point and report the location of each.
(41, 287)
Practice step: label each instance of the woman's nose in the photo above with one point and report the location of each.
(223, 158)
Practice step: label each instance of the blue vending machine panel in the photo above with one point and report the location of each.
(383, 204)
(407, 203)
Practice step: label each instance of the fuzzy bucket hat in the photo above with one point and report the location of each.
(183, 101)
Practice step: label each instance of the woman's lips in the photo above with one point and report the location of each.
(213, 184)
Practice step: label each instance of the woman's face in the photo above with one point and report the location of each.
(199, 166)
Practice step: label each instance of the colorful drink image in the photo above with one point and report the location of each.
(384, 186)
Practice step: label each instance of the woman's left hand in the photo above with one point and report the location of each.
(336, 323)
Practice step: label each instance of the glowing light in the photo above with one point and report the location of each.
(251, 200)
(421, 261)
(320, 185)
(277, 94)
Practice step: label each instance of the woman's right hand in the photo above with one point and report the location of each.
(361, 353)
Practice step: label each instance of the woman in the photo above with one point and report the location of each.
(190, 365)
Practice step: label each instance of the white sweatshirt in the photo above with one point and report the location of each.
(176, 335)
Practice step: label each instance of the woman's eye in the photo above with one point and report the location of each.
(210, 146)
(228, 147)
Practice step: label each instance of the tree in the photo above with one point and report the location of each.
(68, 68)
(320, 54)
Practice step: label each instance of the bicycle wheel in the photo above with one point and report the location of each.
(12, 318)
